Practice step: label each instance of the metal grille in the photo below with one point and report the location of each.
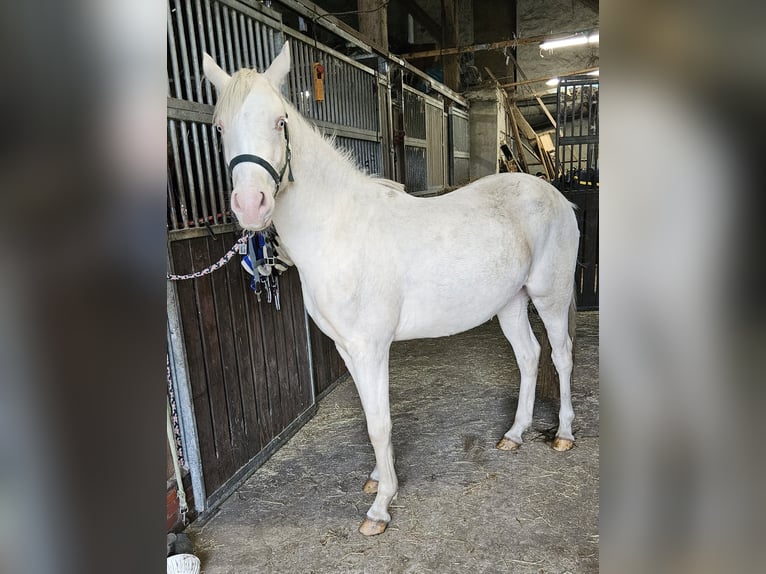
(350, 90)
(366, 153)
(197, 178)
(414, 114)
(233, 34)
(237, 36)
(460, 158)
(577, 175)
(435, 144)
(417, 179)
(577, 133)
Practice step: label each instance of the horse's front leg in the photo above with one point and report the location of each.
(369, 368)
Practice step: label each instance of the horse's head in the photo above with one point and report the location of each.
(252, 119)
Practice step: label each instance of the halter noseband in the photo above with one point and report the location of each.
(258, 160)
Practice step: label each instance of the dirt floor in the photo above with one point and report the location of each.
(462, 506)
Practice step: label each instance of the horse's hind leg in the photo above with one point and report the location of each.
(554, 311)
(514, 321)
(369, 368)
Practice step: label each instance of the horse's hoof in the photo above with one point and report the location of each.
(371, 527)
(562, 444)
(371, 486)
(507, 444)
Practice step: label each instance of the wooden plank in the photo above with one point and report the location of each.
(478, 47)
(546, 78)
(543, 158)
(547, 142)
(213, 366)
(523, 124)
(300, 346)
(229, 363)
(187, 304)
(260, 380)
(243, 352)
(288, 367)
(517, 138)
(266, 320)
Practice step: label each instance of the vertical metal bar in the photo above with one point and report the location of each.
(209, 179)
(332, 90)
(200, 175)
(221, 176)
(272, 44)
(307, 90)
(189, 175)
(205, 88)
(365, 101)
(300, 52)
(172, 124)
(171, 199)
(357, 99)
(172, 48)
(309, 69)
(232, 20)
(298, 71)
(309, 59)
(243, 40)
(346, 90)
(265, 47)
(183, 392)
(251, 44)
(293, 80)
(220, 36)
(184, 55)
(197, 97)
(231, 64)
(258, 44)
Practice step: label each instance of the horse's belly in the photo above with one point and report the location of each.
(434, 314)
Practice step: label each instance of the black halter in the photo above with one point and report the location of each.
(276, 176)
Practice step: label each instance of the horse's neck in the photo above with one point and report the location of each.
(325, 189)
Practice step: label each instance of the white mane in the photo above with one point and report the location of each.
(234, 94)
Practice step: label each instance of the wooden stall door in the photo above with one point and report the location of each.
(248, 363)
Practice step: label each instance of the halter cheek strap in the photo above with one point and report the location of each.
(276, 176)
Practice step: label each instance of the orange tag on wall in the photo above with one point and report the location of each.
(318, 82)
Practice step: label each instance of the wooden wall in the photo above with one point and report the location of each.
(248, 363)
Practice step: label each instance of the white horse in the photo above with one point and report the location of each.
(378, 265)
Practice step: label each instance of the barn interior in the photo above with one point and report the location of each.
(267, 448)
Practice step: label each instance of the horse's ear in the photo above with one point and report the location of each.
(214, 73)
(279, 68)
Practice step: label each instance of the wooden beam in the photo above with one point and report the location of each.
(450, 63)
(546, 78)
(373, 22)
(514, 126)
(539, 101)
(474, 48)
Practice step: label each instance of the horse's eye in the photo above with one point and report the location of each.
(219, 127)
(281, 123)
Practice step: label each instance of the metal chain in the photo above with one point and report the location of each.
(215, 266)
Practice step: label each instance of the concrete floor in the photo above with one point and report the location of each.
(462, 505)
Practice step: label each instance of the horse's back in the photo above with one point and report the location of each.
(462, 256)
